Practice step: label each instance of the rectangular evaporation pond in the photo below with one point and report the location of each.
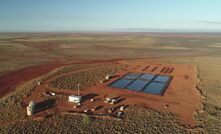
(155, 88)
(161, 78)
(147, 76)
(137, 85)
(121, 83)
(132, 76)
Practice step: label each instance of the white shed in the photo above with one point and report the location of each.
(75, 99)
(31, 108)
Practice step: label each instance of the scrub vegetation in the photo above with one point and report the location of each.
(11, 105)
(22, 50)
(32, 49)
(137, 120)
(85, 78)
(209, 86)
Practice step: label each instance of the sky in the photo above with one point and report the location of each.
(110, 15)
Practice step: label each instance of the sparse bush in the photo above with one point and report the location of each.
(85, 78)
(137, 120)
(86, 120)
(11, 105)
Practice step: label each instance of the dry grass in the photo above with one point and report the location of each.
(76, 67)
(104, 47)
(85, 78)
(137, 120)
(18, 48)
(11, 105)
(144, 121)
(209, 69)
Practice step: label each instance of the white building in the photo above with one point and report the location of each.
(75, 99)
(31, 108)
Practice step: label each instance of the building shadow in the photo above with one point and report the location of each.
(114, 76)
(46, 104)
(89, 96)
(119, 99)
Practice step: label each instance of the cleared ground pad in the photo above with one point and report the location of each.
(148, 83)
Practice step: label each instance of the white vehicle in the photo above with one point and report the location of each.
(52, 94)
(86, 110)
(107, 77)
(113, 101)
(120, 114)
(107, 100)
(121, 108)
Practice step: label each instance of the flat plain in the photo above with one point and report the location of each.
(55, 58)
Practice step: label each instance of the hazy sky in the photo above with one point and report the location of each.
(109, 15)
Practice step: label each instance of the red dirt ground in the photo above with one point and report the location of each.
(181, 97)
(13, 78)
(9, 81)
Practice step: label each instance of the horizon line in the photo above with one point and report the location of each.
(85, 32)
(122, 30)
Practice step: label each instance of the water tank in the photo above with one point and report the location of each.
(31, 108)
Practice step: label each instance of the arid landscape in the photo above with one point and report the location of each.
(34, 65)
